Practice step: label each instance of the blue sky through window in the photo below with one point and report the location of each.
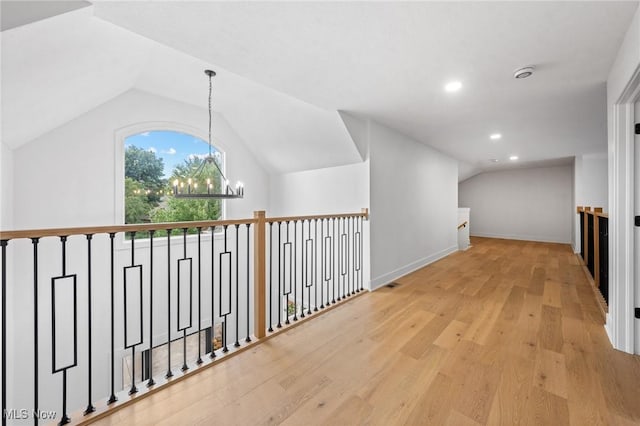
(173, 147)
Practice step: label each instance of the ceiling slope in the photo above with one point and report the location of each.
(17, 13)
(359, 130)
(284, 133)
(57, 69)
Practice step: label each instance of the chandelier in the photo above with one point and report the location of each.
(200, 184)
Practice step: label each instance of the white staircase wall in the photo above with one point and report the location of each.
(521, 204)
(463, 233)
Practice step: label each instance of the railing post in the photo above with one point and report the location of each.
(259, 274)
(3, 244)
(596, 248)
(585, 234)
(580, 230)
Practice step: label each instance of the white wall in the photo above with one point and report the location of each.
(73, 168)
(624, 283)
(411, 190)
(592, 181)
(342, 189)
(6, 187)
(523, 204)
(590, 178)
(463, 233)
(6, 222)
(414, 202)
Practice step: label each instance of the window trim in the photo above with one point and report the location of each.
(123, 133)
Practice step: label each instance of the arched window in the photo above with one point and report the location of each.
(152, 161)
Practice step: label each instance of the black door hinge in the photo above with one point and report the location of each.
(637, 128)
(637, 220)
(637, 312)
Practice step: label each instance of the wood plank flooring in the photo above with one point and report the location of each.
(506, 333)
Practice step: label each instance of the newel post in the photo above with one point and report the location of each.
(259, 274)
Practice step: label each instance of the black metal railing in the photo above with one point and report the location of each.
(581, 213)
(590, 241)
(313, 263)
(122, 315)
(603, 253)
(593, 234)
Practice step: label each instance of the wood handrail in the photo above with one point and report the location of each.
(462, 225)
(364, 214)
(596, 211)
(585, 209)
(108, 229)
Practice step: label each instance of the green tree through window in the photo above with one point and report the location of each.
(153, 160)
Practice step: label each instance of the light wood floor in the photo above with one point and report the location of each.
(506, 333)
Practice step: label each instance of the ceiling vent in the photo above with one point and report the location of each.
(523, 72)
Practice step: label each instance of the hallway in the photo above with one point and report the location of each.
(507, 332)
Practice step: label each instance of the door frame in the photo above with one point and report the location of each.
(620, 321)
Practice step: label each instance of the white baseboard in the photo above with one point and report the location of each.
(393, 275)
(535, 238)
(607, 328)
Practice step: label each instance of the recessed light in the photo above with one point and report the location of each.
(495, 136)
(493, 160)
(453, 86)
(513, 158)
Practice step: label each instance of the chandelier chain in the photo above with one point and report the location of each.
(213, 160)
(210, 90)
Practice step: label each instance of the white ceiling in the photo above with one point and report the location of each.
(57, 69)
(389, 61)
(287, 68)
(17, 13)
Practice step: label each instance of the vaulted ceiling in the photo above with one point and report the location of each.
(56, 69)
(287, 68)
